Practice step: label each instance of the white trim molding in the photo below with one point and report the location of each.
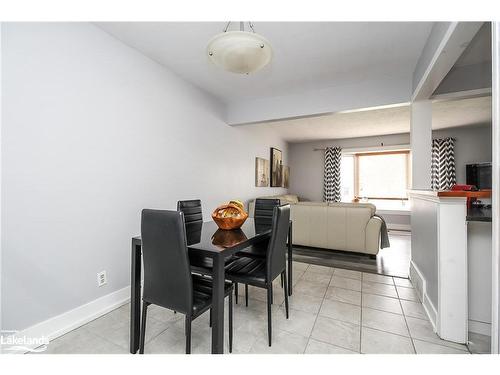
(400, 227)
(420, 284)
(439, 230)
(495, 327)
(61, 324)
(482, 328)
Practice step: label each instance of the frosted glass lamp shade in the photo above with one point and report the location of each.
(240, 51)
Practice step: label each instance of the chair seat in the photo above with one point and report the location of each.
(202, 293)
(247, 270)
(258, 250)
(203, 265)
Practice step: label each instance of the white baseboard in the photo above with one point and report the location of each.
(431, 311)
(480, 327)
(70, 320)
(405, 227)
(419, 283)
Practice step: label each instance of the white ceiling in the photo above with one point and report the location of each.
(446, 114)
(479, 49)
(307, 55)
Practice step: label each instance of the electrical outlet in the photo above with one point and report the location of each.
(102, 278)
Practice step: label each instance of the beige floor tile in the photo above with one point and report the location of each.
(377, 342)
(317, 278)
(479, 344)
(383, 303)
(424, 347)
(413, 309)
(350, 274)
(305, 302)
(341, 311)
(300, 266)
(298, 322)
(318, 347)
(335, 332)
(384, 321)
(310, 288)
(260, 294)
(173, 341)
(82, 341)
(163, 315)
(282, 343)
(343, 295)
(374, 278)
(343, 282)
(422, 329)
(297, 276)
(407, 293)
(381, 289)
(402, 282)
(320, 269)
(118, 331)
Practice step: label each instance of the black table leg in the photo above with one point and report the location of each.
(290, 259)
(135, 298)
(218, 305)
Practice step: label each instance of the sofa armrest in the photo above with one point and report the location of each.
(372, 233)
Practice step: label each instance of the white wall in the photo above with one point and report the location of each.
(421, 144)
(93, 132)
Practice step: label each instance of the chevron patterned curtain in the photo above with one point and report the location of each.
(443, 175)
(331, 176)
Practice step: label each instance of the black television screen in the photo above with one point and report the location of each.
(479, 175)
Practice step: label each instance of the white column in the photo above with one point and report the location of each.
(1, 100)
(495, 331)
(421, 144)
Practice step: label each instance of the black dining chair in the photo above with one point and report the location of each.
(263, 217)
(261, 272)
(193, 218)
(168, 281)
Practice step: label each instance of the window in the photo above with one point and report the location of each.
(375, 175)
(381, 175)
(347, 178)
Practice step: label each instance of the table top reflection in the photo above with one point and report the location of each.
(208, 237)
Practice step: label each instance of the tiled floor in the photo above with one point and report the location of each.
(331, 311)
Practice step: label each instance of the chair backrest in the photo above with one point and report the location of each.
(263, 214)
(192, 210)
(276, 250)
(167, 274)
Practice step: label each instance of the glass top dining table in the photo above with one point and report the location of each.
(204, 239)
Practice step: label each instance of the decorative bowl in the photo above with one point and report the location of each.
(230, 216)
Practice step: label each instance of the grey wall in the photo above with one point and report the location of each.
(306, 165)
(473, 144)
(92, 132)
